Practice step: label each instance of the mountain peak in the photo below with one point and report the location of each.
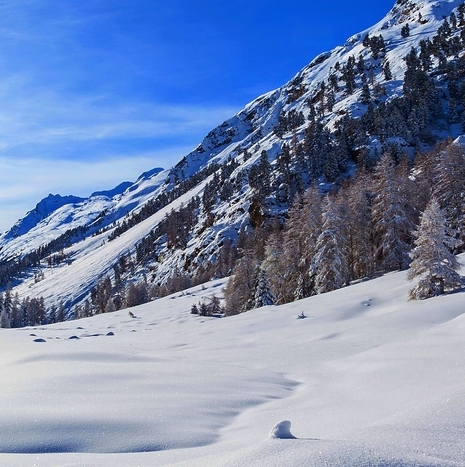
(421, 11)
(42, 210)
(337, 115)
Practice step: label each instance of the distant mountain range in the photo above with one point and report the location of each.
(338, 114)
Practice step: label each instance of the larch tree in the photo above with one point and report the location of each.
(4, 318)
(355, 202)
(239, 293)
(329, 266)
(449, 188)
(390, 216)
(273, 263)
(287, 261)
(432, 259)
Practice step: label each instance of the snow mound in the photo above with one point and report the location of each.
(282, 430)
(319, 453)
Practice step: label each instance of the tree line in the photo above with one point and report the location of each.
(367, 227)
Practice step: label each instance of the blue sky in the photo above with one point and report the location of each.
(94, 92)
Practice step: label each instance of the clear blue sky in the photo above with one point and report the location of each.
(94, 92)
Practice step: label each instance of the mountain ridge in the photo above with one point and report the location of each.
(221, 180)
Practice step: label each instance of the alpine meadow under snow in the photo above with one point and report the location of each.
(367, 378)
(250, 305)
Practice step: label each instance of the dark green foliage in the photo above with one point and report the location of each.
(387, 71)
(259, 177)
(288, 122)
(405, 31)
(377, 46)
(365, 96)
(348, 75)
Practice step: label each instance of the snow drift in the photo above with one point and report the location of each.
(378, 385)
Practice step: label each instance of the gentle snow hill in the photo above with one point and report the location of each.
(367, 379)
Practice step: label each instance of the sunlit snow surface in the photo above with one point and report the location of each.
(367, 379)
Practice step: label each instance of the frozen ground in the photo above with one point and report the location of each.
(367, 379)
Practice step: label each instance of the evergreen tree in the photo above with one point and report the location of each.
(453, 21)
(453, 110)
(330, 99)
(405, 31)
(365, 96)
(8, 301)
(461, 14)
(432, 259)
(61, 313)
(348, 75)
(331, 168)
(259, 176)
(333, 82)
(387, 71)
(377, 46)
(263, 295)
(366, 41)
(360, 65)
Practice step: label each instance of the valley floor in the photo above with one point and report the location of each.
(368, 378)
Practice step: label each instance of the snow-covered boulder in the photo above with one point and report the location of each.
(282, 430)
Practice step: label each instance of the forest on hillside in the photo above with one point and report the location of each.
(343, 200)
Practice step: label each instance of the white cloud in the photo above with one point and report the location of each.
(39, 117)
(53, 143)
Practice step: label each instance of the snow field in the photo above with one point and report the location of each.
(367, 379)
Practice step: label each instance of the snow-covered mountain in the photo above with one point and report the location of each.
(342, 109)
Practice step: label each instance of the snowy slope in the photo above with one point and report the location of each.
(252, 129)
(54, 215)
(93, 257)
(367, 379)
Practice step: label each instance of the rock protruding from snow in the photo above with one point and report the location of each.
(282, 430)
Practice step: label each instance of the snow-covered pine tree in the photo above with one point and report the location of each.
(263, 294)
(432, 259)
(329, 266)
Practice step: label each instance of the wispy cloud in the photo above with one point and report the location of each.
(38, 116)
(82, 99)
(53, 143)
